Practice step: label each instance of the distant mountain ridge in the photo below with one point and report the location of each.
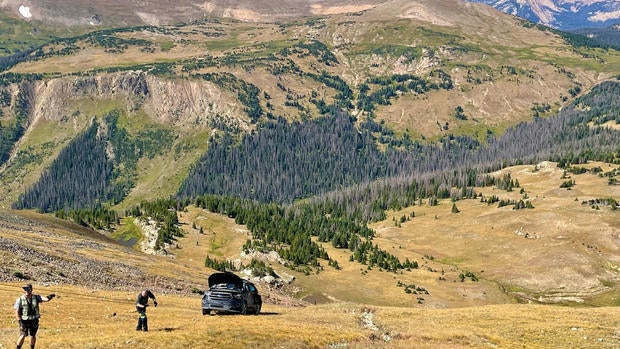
(562, 14)
(109, 13)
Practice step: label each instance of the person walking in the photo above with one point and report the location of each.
(27, 314)
(141, 303)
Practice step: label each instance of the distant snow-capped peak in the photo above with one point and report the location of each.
(562, 14)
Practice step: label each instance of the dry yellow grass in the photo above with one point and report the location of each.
(85, 318)
(221, 238)
(92, 58)
(559, 251)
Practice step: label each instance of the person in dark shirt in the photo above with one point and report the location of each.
(141, 303)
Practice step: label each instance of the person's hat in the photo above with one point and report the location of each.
(27, 287)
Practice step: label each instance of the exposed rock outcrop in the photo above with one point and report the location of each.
(181, 103)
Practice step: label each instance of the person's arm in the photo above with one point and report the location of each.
(47, 298)
(18, 311)
(152, 296)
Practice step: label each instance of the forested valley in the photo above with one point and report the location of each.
(285, 162)
(334, 163)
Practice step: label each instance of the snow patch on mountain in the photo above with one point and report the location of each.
(25, 11)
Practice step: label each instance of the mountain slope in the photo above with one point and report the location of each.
(71, 254)
(409, 72)
(113, 13)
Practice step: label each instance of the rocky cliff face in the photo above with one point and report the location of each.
(562, 14)
(180, 103)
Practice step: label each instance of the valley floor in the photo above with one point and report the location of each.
(90, 318)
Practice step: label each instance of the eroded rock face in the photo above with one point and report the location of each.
(180, 103)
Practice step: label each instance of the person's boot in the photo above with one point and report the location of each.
(145, 323)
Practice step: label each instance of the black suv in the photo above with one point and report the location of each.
(229, 293)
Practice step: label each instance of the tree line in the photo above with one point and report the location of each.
(13, 130)
(341, 163)
(164, 213)
(100, 176)
(290, 230)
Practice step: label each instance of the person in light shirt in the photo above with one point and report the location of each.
(27, 314)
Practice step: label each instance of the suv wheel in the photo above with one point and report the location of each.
(205, 311)
(244, 308)
(257, 310)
